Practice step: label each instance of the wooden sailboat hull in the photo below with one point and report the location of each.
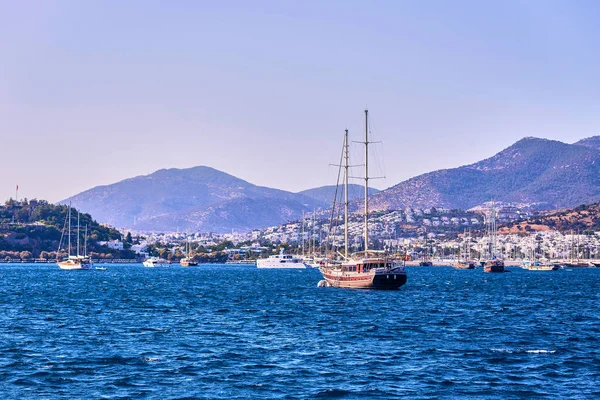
(72, 265)
(386, 281)
(461, 265)
(493, 266)
(577, 265)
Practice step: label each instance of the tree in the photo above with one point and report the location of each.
(128, 238)
(25, 255)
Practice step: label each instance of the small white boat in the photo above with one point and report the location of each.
(539, 266)
(153, 262)
(281, 260)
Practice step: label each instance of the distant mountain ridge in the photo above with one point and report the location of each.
(593, 142)
(541, 171)
(325, 194)
(530, 171)
(199, 199)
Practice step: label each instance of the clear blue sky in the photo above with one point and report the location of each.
(92, 92)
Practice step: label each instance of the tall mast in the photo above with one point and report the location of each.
(366, 222)
(493, 228)
(69, 229)
(77, 234)
(302, 233)
(346, 166)
(85, 242)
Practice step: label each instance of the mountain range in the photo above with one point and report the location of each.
(547, 172)
(193, 199)
(535, 171)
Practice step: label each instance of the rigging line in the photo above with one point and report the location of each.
(61, 237)
(337, 185)
(377, 156)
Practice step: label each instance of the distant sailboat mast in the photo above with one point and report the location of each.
(302, 234)
(85, 242)
(346, 166)
(69, 255)
(366, 212)
(78, 234)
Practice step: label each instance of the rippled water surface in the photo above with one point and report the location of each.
(223, 332)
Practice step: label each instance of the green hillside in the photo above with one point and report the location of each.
(32, 229)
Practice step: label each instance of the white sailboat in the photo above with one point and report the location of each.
(78, 261)
(371, 269)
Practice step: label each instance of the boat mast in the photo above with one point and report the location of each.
(77, 234)
(69, 229)
(366, 212)
(85, 242)
(302, 233)
(346, 166)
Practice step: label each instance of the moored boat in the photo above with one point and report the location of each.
(153, 262)
(188, 260)
(77, 261)
(494, 263)
(540, 266)
(460, 264)
(577, 264)
(366, 272)
(463, 261)
(281, 261)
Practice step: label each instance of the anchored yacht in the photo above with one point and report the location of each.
(281, 260)
(370, 269)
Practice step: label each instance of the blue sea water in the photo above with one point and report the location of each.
(227, 332)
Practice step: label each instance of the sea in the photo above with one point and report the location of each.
(237, 332)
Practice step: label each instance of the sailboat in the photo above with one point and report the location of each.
(427, 255)
(494, 263)
(188, 260)
(464, 257)
(77, 261)
(575, 261)
(534, 265)
(369, 270)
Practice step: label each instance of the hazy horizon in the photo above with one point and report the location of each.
(96, 92)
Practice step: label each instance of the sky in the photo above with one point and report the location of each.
(94, 92)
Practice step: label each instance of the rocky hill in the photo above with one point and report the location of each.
(584, 218)
(33, 229)
(532, 170)
(193, 199)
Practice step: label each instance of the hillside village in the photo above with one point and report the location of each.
(431, 232)
(437, 233)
